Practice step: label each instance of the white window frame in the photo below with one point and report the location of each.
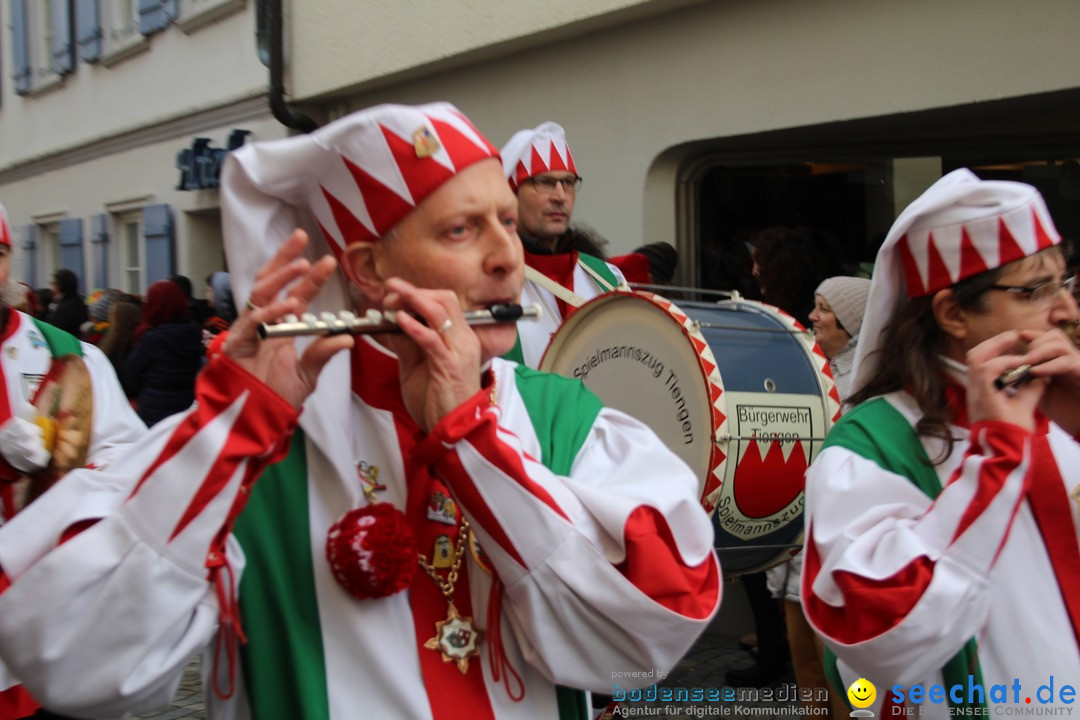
(47, 243)
(39, 33)
(196, 14)
(48, 251)
(123, 212)
(132, 277)
(120, 31)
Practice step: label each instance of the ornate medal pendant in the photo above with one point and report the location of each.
(456, 638)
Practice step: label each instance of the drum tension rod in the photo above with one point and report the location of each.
(729, 438)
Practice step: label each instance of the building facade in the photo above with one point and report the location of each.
(692, 122)
(114, 118)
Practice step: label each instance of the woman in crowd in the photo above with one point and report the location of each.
(789, 262)
(839, 305)
(67, 310)
(159, 374)
(125, 314)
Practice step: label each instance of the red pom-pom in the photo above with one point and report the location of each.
(372, 551)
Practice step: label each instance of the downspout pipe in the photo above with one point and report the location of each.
(276, 44)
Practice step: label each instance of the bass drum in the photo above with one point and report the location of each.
(737, 389)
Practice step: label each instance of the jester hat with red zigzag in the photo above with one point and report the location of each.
(350, 181)
(532, 152)
(960, 227)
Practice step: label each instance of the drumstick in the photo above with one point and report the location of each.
(376, 321)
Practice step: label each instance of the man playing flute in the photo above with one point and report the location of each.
(403, 526)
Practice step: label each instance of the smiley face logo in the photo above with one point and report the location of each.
(862, 693)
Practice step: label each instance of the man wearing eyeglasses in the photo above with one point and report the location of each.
(942, 514)
(564, 265)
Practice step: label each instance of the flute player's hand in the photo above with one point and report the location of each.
(275, 362)
(439, 363)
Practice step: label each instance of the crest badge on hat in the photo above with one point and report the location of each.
(425, 143)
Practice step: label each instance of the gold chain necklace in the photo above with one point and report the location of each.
(456, 637)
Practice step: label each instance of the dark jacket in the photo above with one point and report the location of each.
(159, 372)
(68, 313)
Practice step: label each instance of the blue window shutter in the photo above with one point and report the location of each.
(152, 16)
(71, 248)
(99, 241)
(29, 246)
(63, 47)
(158, 235)
(88, 29)
(20, 47)
(171, 8)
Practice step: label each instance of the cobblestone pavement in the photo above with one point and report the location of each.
(188, 701)
(702, 668)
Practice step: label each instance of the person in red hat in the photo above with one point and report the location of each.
(44, 428)
(565, 265)
(427, 531)
(941, 547)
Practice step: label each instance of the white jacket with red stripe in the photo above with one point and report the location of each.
(25, 360)
(606, 565)
(899, 578)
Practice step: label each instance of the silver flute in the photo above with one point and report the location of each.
(383, 321)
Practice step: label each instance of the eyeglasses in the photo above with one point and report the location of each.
(545, 184)
(1041, 294)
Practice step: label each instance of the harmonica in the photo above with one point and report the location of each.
(383, 321)
(1019, 375)
(1012, 378)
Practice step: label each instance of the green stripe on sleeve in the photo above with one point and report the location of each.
(283, 664)
(875, 430)
(562, 411)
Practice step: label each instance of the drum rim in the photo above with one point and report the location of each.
(718, 422)
(715, 480)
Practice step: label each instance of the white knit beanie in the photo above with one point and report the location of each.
(847, 298)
